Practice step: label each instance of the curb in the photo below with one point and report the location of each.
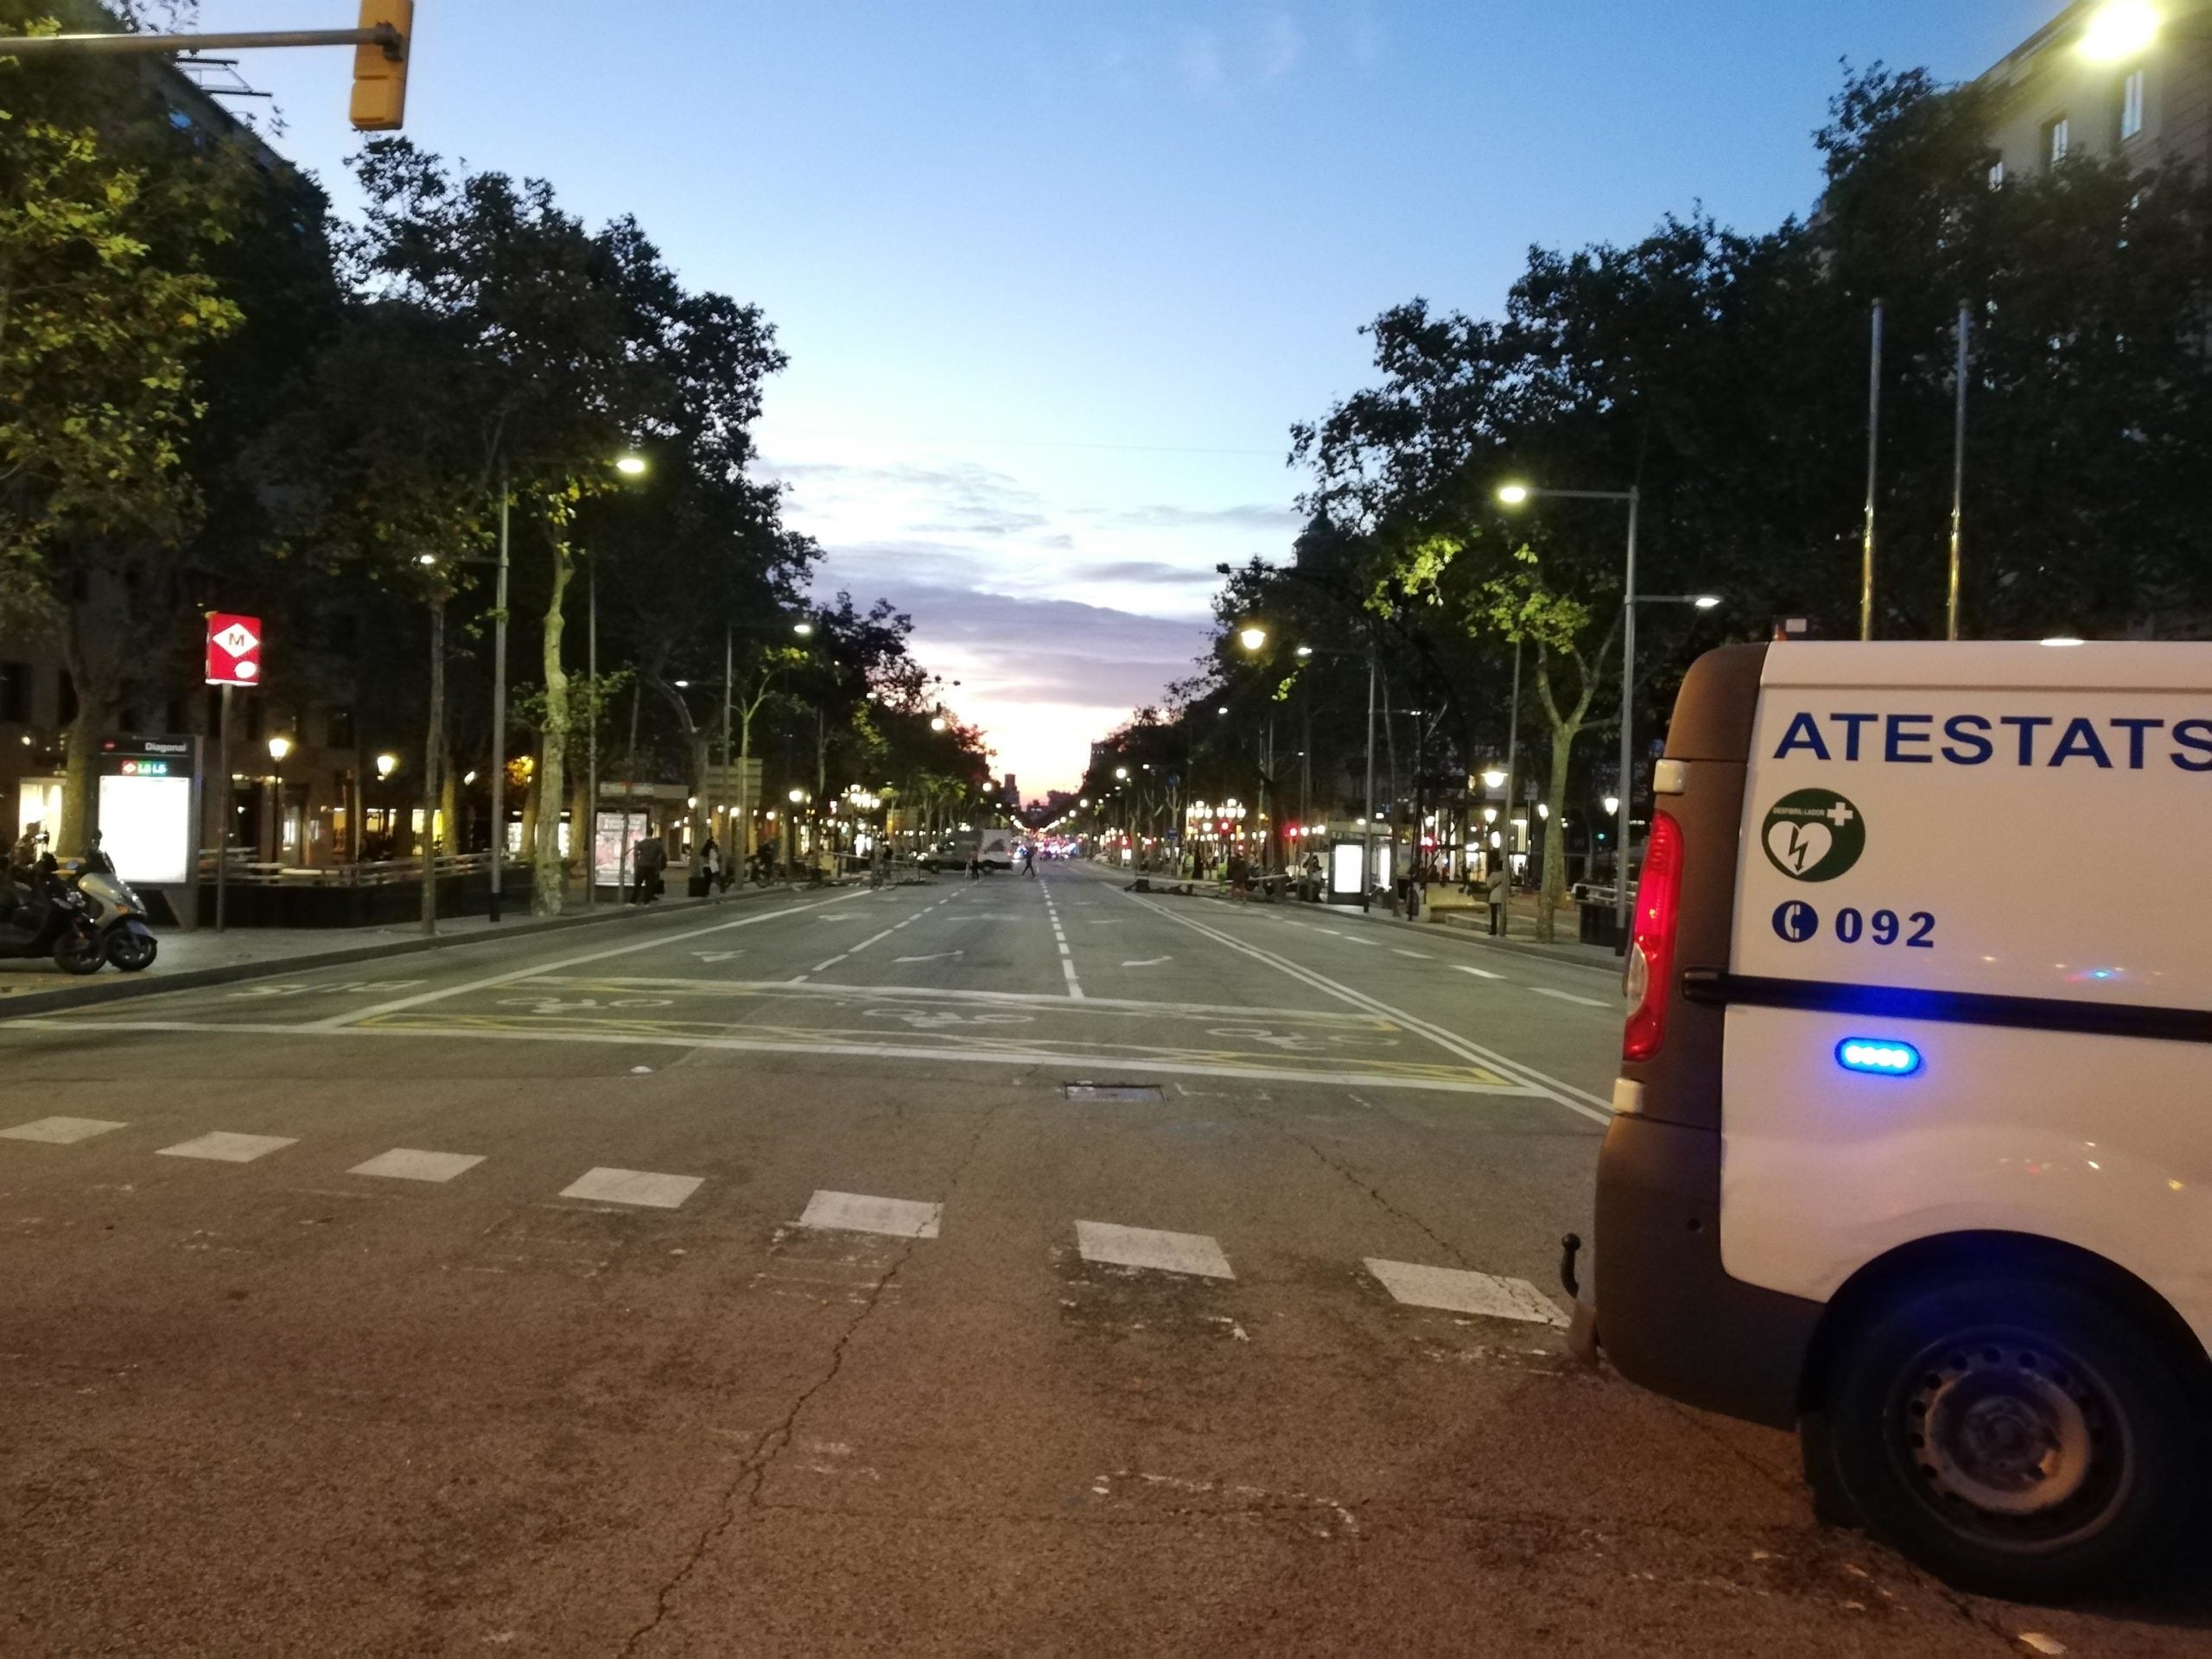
(122, 988)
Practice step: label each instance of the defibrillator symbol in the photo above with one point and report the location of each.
(1814, 835)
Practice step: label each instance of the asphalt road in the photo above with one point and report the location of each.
(753, 1281)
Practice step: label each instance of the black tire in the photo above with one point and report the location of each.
(130, 953)
(78, 951)
(2020, 1437)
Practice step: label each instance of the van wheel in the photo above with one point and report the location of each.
(2017, 1437)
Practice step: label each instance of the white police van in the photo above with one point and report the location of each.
(1913, 1135)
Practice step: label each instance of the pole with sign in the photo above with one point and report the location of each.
(234, 659)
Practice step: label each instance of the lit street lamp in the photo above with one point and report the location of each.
(2118, 29)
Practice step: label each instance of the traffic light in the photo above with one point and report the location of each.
(380, 73)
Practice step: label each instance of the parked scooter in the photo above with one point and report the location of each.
(42, 915)
(117, 913)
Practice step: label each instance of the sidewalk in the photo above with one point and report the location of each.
(1470, 923)
(207, 958)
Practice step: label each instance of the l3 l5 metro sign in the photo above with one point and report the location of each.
(233, 648)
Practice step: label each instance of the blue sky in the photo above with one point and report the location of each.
(1056, 279)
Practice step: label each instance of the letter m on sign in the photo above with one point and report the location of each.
(233, 648)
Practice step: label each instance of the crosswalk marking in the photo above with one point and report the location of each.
(637, 1186)
(405, 1164)
(856, 1212)
(59, 1131)
(225, 1148)
(1457, 1290)
(1142, 1247)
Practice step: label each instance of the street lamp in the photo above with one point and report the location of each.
(630, 466)
(2118, 29)
(803, 630)
(1612, 804)
(1251, 636)
(1493, 778)
(386, 765)
(279, 747)
(937, 722)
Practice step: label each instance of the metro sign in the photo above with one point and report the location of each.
(233, 648)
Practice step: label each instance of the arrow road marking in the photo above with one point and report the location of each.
(1149, 961)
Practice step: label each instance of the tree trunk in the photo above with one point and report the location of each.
(434, 748)
(1553, 892)
(548, 884)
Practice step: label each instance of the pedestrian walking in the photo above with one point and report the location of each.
(710, 866)
(974, 864)
(647, 860)
(1029, 859)
(1500, 888)
(1240, 877)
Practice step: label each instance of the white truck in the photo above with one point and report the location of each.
(1912, 1147)
(993, 848)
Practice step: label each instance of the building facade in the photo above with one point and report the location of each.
(2127, 81)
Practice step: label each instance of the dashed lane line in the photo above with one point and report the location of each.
(1480, 973)
(1569, 996)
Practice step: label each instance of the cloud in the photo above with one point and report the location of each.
(1204, 74)
(1145, 571)
(1263, 519)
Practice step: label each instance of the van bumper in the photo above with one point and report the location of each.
(1666, 1312)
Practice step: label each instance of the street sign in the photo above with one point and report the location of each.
(724, 783)
(233, 648)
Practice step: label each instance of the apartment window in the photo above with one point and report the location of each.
(2054, 141)
(1996, 175)
(2131, 105)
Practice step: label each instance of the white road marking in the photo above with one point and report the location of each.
(1569, 996)
(1063, 948)
(636, 1187)
(1460, 1291)
(227, 1148)
(1418, 955)
(855, 1212)
(1272, 1072)
(1597, 1110)
(871, 939)
(60, 1131)
(1480, 973)
(405, 1164)
(1149, 961)
(717, 956)
(1142, 1247)
(937, 956)
(1075, 985)
(832, 962)
(496, 980)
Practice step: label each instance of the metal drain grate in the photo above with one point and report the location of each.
(1111, 1091)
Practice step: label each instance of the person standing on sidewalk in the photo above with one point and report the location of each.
(1500, 888)
(647, 862)
(710, 866)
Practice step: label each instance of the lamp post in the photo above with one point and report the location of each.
(1306, 654)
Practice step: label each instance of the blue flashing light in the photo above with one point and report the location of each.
(1881, 1056)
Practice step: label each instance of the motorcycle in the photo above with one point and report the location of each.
(42, 915)
(118, 915)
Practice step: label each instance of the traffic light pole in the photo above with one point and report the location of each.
(383, 34)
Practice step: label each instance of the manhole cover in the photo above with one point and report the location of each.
(1111, 1091)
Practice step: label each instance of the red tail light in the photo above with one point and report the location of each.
(1652, 956)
